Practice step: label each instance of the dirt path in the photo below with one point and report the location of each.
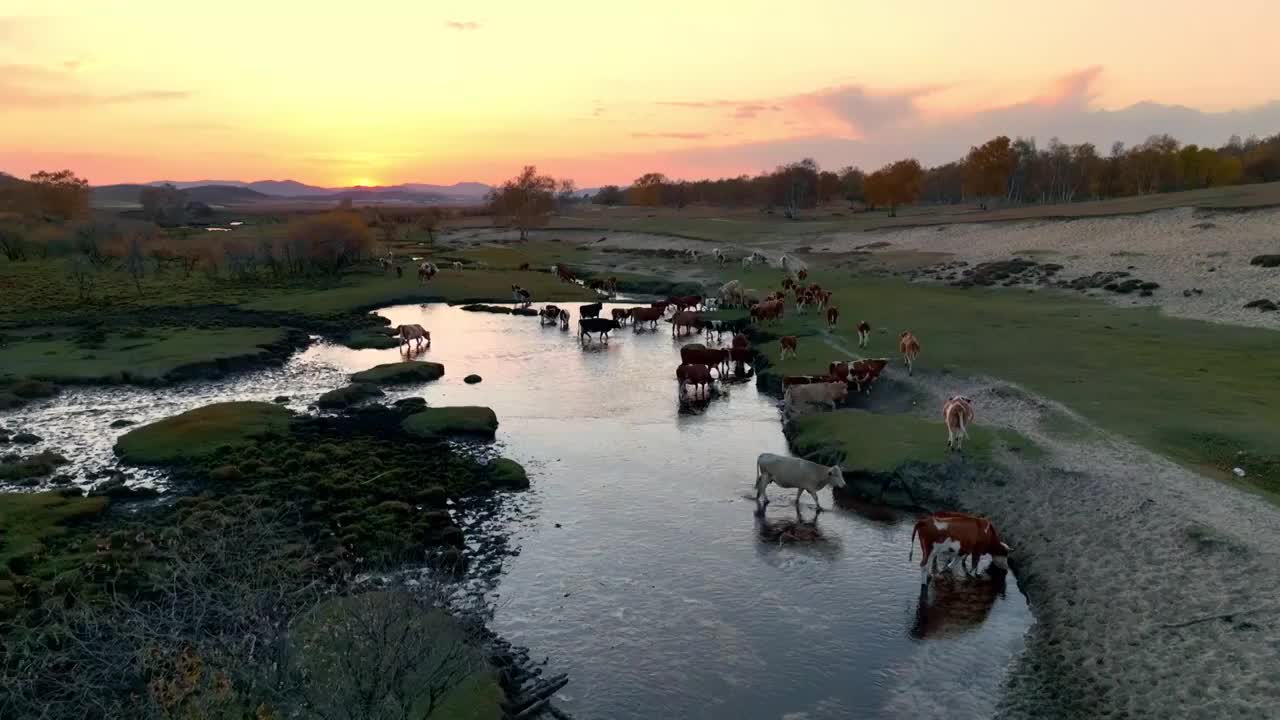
(1156, 590)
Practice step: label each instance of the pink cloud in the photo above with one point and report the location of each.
(35, 87)
(462, 25)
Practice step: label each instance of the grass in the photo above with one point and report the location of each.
(31, 522)
(1159, 380)
(878, 443)
(462, 420)
(140, 356)
(202, 431)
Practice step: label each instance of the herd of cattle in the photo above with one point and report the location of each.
(943, 535)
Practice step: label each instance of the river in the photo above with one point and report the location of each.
(641, 569)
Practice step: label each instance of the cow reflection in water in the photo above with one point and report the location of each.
(790, 530)
(409, 352)
(952, 606)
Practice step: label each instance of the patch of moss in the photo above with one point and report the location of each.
(461, 420)
(345, 397)
(32, 522)
(31, 466)
(202, 431)
(400, 372)
(370, 339)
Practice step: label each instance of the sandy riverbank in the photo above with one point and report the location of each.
(1156, 590)
(1180, 249)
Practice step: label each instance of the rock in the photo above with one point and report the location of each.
(116, 489)
(280, 399)
(525, 312)
(26, 438)
(345, 397)
(444, 421)
(121, 423)
(472, 379)
(226, 473)
(481, 307)
(508, 474)
(410, 403)
(400, 372)
(30, 467)
(1264, 305)
(32, 389)
(1266, 261)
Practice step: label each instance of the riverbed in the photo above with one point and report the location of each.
(638, 565)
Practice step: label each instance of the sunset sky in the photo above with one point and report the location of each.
(427, 91)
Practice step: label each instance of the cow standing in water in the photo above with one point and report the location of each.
(413, 333)
(793, 474)
(958, 414)
(520, 296)
(864, 333)
(960, 534)
(909, 346)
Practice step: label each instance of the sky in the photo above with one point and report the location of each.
(435, 91)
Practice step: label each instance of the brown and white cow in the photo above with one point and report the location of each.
(909, 346)
(958, 414)
(715, 358)
(961, 534)
(864, 333)
(426, 271)
(620, 314)
(741, 341)
(833, 316)
(549, 315)
(789, 344)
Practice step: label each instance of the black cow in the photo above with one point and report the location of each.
(599, 326)
(590, 311)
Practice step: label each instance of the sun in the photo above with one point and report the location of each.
(365, 182)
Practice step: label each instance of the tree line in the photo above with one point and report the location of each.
(1000, 171)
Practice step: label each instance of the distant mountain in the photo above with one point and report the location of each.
(208, 194)
(411, 192)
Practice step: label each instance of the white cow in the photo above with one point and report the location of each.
(794, 473)
(815, 394)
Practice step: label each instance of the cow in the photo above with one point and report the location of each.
(712, 358)
(862, 373)
(549, 315)
(958, 414)
(599, 326)
(413, 333)
(564, 274)
(684, 302)
(789, 344)
(716, 327)
(611, 286)
(457, 265)
(620, 315)
(520, 296)
(650, 315)
(910, 349)
(685, 319)
(959, 533)
(426, 271)
(741, 341)
(747, 262)
(589, 311)
(864, 333)
(385, 264)
(740, 356)
(793, 473)
(523, 266)
(789, 380)
(802, 274)
(564, 319)
(833, 316)
(730, 294)
(699, 376)
(838, 371)
(825, 393)
(399, 272)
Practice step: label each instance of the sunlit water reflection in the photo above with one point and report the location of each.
(641, 569)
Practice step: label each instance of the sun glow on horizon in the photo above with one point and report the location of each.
(364, 182)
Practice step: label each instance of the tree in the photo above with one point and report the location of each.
(565, 192)
(332, 241)
(828, 186)
(647, 190)
(524, 201)
(165, 205)
(795, 186)
(895, 184)
(851, 184)
(58, 195)
(13, 243)
(609, 195)
(135, 261)
(987, 169)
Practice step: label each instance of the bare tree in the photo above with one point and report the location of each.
(135, 261)
(84, 274)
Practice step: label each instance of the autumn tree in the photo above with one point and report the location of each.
(851, 184)
(895, 184)
(987, 169)
(57, 195)
(647, 190)
(332, 241)
(524, 201)
(828, 186)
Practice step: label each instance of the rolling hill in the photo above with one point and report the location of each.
(208, 194)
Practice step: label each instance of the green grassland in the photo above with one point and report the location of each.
(1199, 392)
(201, 431)
(138, 356)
